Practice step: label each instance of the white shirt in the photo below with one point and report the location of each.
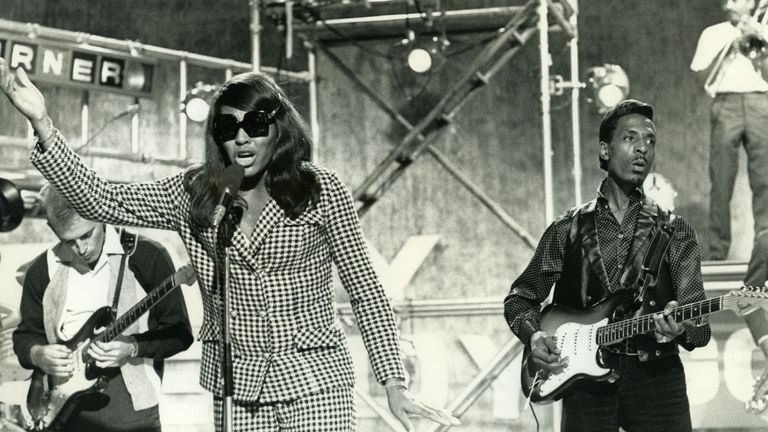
(89, 291)
(738, 74)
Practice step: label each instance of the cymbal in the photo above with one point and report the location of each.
(11, 206)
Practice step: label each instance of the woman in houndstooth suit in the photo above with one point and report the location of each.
(292, 368)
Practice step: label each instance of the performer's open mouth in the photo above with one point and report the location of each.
(245, 158)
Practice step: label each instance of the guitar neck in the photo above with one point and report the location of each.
(135, 312)
(618, 331)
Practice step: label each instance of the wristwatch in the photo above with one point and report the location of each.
(134, 348)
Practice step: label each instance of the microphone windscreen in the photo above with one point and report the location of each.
(233, 176)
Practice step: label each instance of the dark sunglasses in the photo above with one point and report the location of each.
(255, 124)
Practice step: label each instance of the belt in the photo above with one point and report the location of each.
(624, 348)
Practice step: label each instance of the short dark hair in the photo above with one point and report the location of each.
(612, 116)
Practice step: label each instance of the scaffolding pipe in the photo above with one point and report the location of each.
(491, 205)
(575, 108)
(494, 207)
(396, 19)
(546, 117)
(481, 382)
(314, 123)
(182, 115)
(136, 49)
(255, 35)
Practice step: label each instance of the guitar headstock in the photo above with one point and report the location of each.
(184, 276)
(746, 300)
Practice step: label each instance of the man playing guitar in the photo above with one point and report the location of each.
(65, 285)
(596, 250)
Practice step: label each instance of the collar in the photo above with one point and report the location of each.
(637, 193)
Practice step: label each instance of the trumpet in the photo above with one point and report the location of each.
(752, 45)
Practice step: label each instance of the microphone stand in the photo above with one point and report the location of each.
(225, 232)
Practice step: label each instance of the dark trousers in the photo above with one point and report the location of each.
(112, 411)
(737, 119)
(647, 397)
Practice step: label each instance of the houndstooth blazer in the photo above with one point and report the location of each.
(286, 338)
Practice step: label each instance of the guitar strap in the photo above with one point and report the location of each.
(128, 241)
(662, 238)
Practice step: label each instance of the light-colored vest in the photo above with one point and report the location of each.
(140, 378)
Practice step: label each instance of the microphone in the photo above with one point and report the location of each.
(233, 177)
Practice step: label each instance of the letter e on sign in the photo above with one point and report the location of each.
(83, 67)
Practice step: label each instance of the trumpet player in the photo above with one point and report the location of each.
(730, 58)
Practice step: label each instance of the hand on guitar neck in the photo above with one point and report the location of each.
(667, 329)
(113, 354)
(545, 354)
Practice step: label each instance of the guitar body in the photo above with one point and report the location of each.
(52, 400)
(576, 333)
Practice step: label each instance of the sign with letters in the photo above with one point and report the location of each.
(78, 65)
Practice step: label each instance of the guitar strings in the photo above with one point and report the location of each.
(604, 333)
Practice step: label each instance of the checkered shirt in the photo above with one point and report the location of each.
(286, 338)
(523, 304)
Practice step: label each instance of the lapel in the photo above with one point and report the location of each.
(268, 219)
(646, 222)
(591, 245)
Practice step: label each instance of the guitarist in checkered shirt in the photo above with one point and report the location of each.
(291, 364)
(596, 251)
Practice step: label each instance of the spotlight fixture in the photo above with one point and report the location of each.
(423, 54)
(427, 55)
(607, 86)
(196, 105)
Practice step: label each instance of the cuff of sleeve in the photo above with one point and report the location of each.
(54, 144)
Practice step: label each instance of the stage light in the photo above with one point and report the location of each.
(426, 54)
(195, 105)
(608, 84)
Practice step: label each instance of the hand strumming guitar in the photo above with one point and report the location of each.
(545, 353)
(53, 359)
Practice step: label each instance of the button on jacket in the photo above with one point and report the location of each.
(287, 341)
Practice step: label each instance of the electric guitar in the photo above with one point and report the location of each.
(582, 335)
(52, 400)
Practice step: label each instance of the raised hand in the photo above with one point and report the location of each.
(22, 93)
(403, 404)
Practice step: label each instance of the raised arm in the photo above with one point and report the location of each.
(152, 204)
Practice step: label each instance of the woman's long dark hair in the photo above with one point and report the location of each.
(288, 182)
